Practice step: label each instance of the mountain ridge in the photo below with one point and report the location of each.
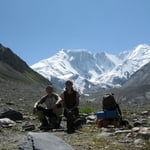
(93, 71)
(14, 69)
(143, 74)
(7, 56)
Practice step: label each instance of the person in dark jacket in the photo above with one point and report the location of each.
(70, 100)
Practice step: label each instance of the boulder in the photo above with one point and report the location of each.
(137, 124)
(11, 114)
(6, 122)
(144, 133)
(43, 141)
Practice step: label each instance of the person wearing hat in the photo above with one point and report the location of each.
(70, 100)
(50, 117)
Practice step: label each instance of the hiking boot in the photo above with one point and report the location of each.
(70, 131)
(44, 127)
(51, 126)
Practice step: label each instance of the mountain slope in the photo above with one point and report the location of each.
(14, 69)
(93, 72)
(135, 91)
(140, 78)
(137, 88)
(20, 86)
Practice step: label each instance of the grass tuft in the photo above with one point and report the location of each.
(87, 110)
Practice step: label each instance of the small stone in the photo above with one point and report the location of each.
(144, 113)
(136, 129)
(138, 141)
(28, 127)
(137, 124)
(123, 131)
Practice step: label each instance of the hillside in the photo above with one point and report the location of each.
(20, 86)
(135, 91)
(13, 68)
(141, 78)
(137, 88)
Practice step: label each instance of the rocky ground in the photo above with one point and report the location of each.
(136, 137)
(89, 137)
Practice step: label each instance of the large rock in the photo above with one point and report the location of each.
(43, 141)
(11, 114)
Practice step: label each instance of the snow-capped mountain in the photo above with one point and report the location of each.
(92, 72)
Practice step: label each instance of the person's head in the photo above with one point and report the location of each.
(69, 84)
(112, 94)
(49, 89)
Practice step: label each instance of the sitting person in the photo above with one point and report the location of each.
(50, 117)
(70, 100)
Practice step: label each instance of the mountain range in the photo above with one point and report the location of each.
(22, 85)
(92, 72)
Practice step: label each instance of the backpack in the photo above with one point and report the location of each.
(109, 102)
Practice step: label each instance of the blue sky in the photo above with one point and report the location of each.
(38, 29)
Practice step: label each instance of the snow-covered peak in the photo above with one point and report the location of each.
(92, 71)
(138, 57)
(123, 55)
(140, 52)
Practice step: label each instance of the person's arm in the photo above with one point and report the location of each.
(63, 101)
(41, 101)
(58, 102)
(35, 106)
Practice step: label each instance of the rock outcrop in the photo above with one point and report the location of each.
(43, 141)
